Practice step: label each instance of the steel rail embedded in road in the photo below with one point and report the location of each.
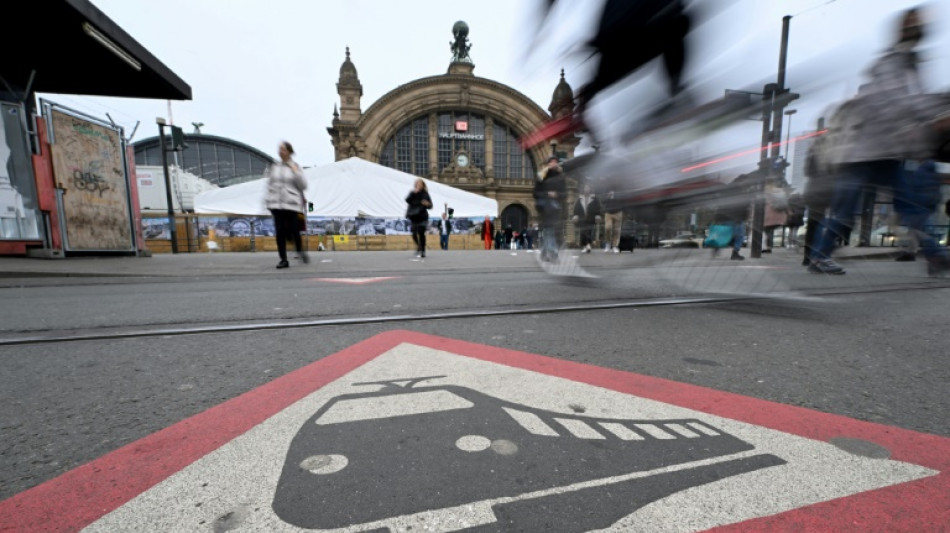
(378, 319)
(127, 333)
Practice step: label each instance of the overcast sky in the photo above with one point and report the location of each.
(262, 72)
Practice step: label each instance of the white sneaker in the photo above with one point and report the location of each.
(587, 249)
(615, 250)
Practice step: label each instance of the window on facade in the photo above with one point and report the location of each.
(387, 156)
(420, 146)
(209, 161)
(222, 164)
(500, 148)
(445, 143)
(511, 161)
(225, 162)
(451, 141)
(408, 149)
(476, 146)
(190, 161)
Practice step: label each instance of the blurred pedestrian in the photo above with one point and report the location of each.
(549, 192)
(631, 34)
(586, 216)
(892, 121)
(732, 211)
(417, 212)
(445, 228)
(613, 222)
(532, 237)
(795, 219)
(285, 200)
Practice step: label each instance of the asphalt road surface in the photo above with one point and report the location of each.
(95, 360)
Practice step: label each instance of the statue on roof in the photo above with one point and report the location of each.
(460, 46)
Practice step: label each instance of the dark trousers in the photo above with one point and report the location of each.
(849, 186)
(587, 233)
(444, 241)
(419, 236)
(287, 226)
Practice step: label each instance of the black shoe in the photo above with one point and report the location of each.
(905, 256)
(283, 264)
(422, 255)
(806, 262)
(736, 257)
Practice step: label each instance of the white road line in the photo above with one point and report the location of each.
(579, 428)
(682, 430)
(532, 423)
(654, 431)
(621, 431)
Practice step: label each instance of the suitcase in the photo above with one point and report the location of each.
(627, 243)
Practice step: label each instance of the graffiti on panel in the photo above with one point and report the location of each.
(88, 167)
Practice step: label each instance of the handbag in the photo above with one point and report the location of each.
(415, 212)
(720, 236)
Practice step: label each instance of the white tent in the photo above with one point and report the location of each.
(349, 188)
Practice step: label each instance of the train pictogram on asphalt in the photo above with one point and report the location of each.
(426, 438)
(410, 432)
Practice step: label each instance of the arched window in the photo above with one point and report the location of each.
(408, 150)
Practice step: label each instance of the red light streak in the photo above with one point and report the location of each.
(752, 151)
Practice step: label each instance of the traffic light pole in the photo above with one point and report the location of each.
(168, 187)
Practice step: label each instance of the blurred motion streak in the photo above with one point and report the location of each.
(751, 151)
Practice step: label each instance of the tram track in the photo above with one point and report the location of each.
(132, 332)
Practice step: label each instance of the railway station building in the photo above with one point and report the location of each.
(454, 128)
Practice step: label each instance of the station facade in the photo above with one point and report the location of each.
(455, 128)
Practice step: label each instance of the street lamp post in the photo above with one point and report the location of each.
(168, 187)
(788, 136)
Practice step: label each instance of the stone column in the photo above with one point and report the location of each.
(433, 146)
(489, 147)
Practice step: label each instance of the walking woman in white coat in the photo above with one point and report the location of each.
(285, 200)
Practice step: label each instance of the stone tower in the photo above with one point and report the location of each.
(350, 90)
(344, 133)
(562, 105)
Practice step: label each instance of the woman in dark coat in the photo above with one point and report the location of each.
(418, 214)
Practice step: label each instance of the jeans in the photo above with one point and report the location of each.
(444, 241)
(916, 197)
(738, 235)
(849, 185)
(551, 236)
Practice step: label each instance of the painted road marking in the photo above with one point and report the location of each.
(355, 281)
(261, 462)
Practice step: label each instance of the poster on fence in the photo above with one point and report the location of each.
(89, 167)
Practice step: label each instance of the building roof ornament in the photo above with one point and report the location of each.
(460, 46)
